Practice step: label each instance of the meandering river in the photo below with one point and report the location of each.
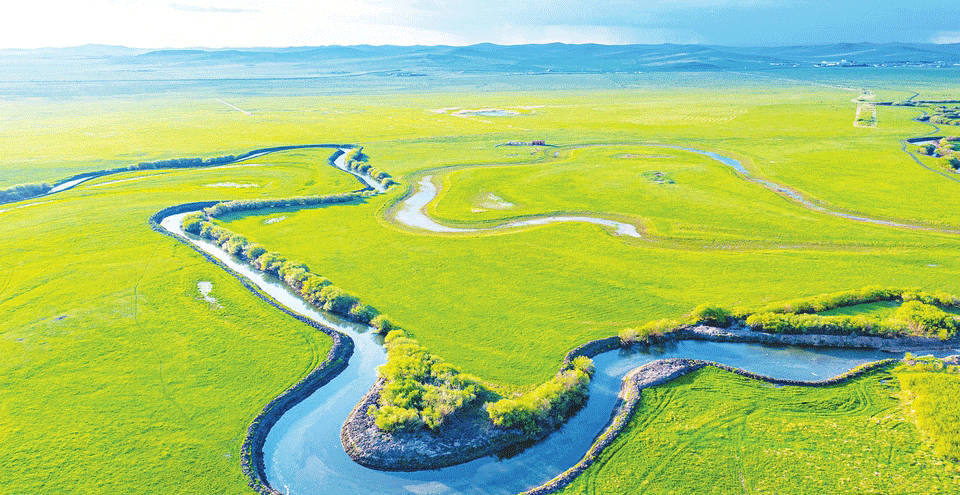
(303, 454)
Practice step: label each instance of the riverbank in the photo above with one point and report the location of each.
(181, 163)
(659, 373)
(744, 334)
(337, 359)
(456, 442)
(471, 435)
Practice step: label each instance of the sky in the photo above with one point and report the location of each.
(251, 23)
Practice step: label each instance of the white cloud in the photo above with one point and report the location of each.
(213, 10)
(945, 37)
(245, 23)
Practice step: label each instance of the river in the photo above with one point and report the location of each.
(303, 454)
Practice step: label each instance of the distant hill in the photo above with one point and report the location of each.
(99, 61)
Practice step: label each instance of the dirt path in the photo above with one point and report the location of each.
(248, 114)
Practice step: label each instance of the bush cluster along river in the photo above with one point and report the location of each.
(303, 454)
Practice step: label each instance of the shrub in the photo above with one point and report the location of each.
(253, 251)
(337, 300)
(926, 319)
(382, 324)
(235, 244)
(649, 331)
(363, 313)
(24, 191)
(419, 389)
(550, 403)
(711, 315)
(269, 262)
(393, 418)
(582, 363)
(192, 223)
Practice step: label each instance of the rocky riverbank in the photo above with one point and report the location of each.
(471, 435)
(744, 334)
(466, 436)
(658, 373)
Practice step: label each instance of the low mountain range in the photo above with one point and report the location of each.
(113, 62)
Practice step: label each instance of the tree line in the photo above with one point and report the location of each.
(920, 314)
(317, 290)
(21, 192)
(223, 208)
(356, 161)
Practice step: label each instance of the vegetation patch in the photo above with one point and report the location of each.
(420, 389)
(657, 177)
(715, 432)
(20, 192)
(945, 115)
(549, 404)
(919, 314)
(493, 202)
(929, 388)
(946, 149)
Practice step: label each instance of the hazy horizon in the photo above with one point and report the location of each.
(215, 24)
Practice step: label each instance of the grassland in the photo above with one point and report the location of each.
(714, 432)
(143, 378)
(880, 309)
(116, 375)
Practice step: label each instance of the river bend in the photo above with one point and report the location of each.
(303, 454)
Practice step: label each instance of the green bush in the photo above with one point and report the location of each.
(20, 192)
(926, 319)
(364, 313)
(382, 324)
(269, 262)
(549, 404)
(253, 251)
(648, 331)
(419, 389)
(192, 223)
(711, 315)
(235, 244)
(336, 300)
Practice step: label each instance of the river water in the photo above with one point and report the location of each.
(303, 454)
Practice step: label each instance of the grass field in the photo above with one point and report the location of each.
(715, 432)
(116, 375)
(143, 378)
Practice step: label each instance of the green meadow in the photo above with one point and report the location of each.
(716, 432)
(117, 376)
